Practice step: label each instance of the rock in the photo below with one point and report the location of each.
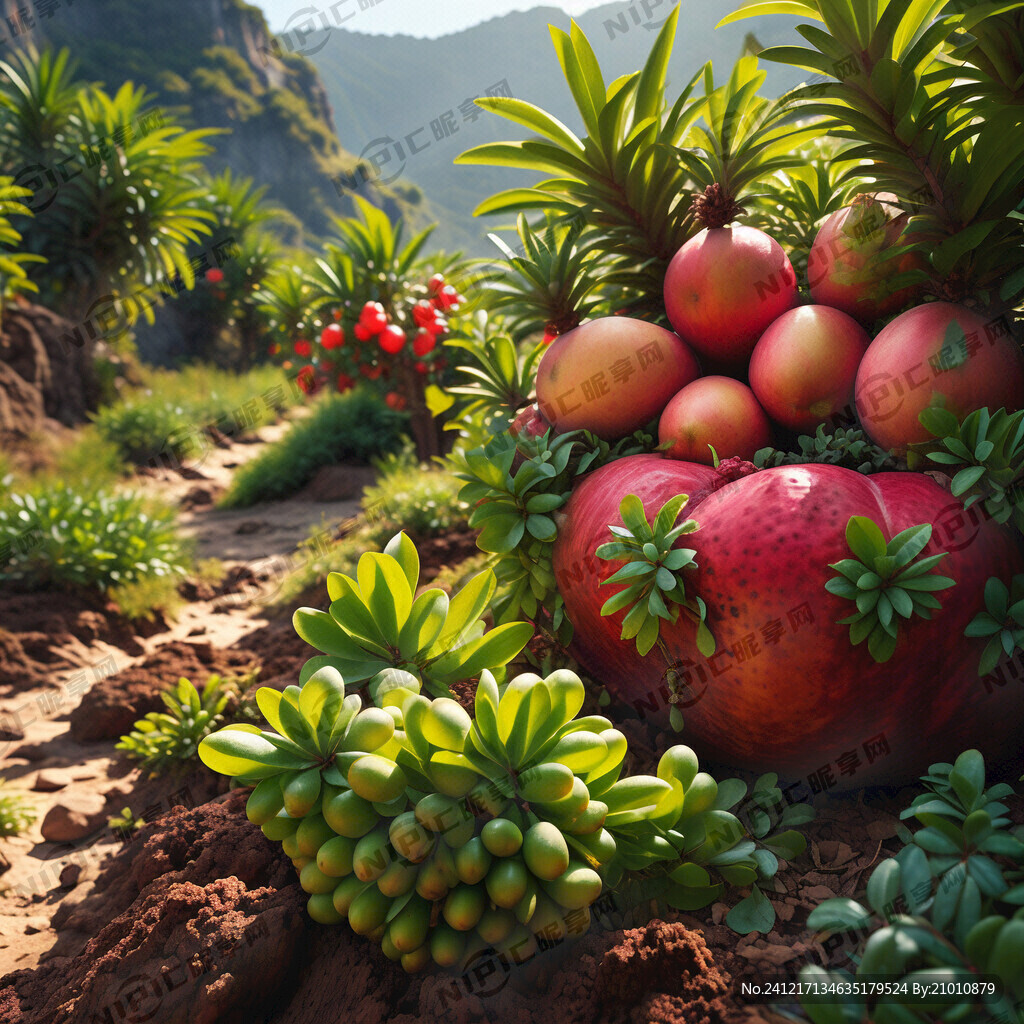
(70, 875)
(50, 780)
(718, 912)
(816, 893)
(34, 925)
(77, 817)
(338, 483)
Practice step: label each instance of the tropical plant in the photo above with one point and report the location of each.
(13, 275)
(843, 447)
(1001, 622)
(168, 741)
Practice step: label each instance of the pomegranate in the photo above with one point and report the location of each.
(612, 376)
(724, 287)
(936, 354)
(804, 367)
(849, 266)
(786, 691)
(716, 411)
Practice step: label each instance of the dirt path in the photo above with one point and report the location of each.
(258, 543)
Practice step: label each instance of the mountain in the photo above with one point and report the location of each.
(405, 101)
(211, 57)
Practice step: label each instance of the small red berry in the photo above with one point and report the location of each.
(307, 380)
(437, 326)
(371, 372)
(362, 333)
(345, 383)
(392, 339)
(448, 296)
(394, 400)
(423, 313)
(423, 344)
(436, 283)
(215, 275)
(332, 336)
(422, 368)
(303, 348)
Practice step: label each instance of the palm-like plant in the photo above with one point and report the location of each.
(13, 276)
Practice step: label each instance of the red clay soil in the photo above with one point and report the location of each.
(113, 704)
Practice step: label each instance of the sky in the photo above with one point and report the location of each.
(423, 18)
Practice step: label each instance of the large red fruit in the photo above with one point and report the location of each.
(850, 264)
(786, 691)
(936, 354)
(717, 411)
(804, 366)
(612, 376)
(724, 287)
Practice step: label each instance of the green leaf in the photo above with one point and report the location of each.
(838, 915)
(403, 551)
(865, 539)
(753, 914)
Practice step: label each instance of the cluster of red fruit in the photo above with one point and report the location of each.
(773, 365)
(374, 330)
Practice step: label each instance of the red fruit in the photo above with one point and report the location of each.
(724, 287)
(437, 327)
(422, 368)
(936, 354)
(395, 401)
(531, 422)
(423, 313)
(786, 691)
(423, 344)
(716, 411)
(448, 297)
(337, 314)
(392, 338)
(332, 336)
(436, 283)
(361, 332)
(373, 317)
(804, 367)
(303, 348)
(215, 275)
(345, 383)
(306, 379)
(849, 266)
(612, 376)
(549, 336)
(371, 372)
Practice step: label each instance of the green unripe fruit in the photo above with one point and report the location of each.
(345, 892)
(440, 813)
(595, 848)
(368, 910)
(399, 878)
(300, 862)
(507, 881)
(502, 837)
(546, 783)
(388, 948)
(453, 780)
(679, 763)
(457, 837)
(279, 828)
(495, 925)
(370, 729)
(350, 815)
(375, 778)
(393, 808)
(527, 906)
(301, 793)
(414, 963)
(409, 929)
(334, 858)
(446, 724)
(472, 861)
(465, 906)
(290, 845)
(545, 851)
(569, 808)
(446, 945)
(312, 833)
(491, 796)
(577, 888)
(372, 856)
(592, 819)
(265, 801)
(434, 878)
(377, 934)
(314, 881)
(548, 923)
(320, 907)
(410, 839)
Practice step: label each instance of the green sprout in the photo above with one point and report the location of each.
(1002, 622)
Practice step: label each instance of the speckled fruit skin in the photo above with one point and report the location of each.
(718, 411)
(841, 270)
(786, 691)
(903, 371)
(612, 376)
(804, 366)
(724, 287)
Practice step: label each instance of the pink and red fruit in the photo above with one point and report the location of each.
(332, 336)
(423, 344)
(362, 332)
(436, 283)
(392, 339)
(373, 317)
(716, 411)
(804, 367)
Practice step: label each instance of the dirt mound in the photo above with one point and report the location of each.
(112, 706)
(282, 652)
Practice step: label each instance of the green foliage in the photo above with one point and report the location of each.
(947, 908)
(653, 573)
(377, 627)
(354, 427)
(920, 126)
(515, 486)
(985, 456)
(125, 823)
(13, 275)
(1002, 622)
(849, 448)
(168, 741)
(886, 583)
(16, 812)
(102, 540)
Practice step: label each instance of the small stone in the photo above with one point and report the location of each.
(70, 875)
(77, 817)
(34, 925)
(50, 780)
(817, 893)
(718, 912)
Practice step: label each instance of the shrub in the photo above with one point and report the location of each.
(16, 813)
(100, 540)
(341, 428)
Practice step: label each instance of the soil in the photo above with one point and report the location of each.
(195, 917)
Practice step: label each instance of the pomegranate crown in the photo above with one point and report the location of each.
(714, 207)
